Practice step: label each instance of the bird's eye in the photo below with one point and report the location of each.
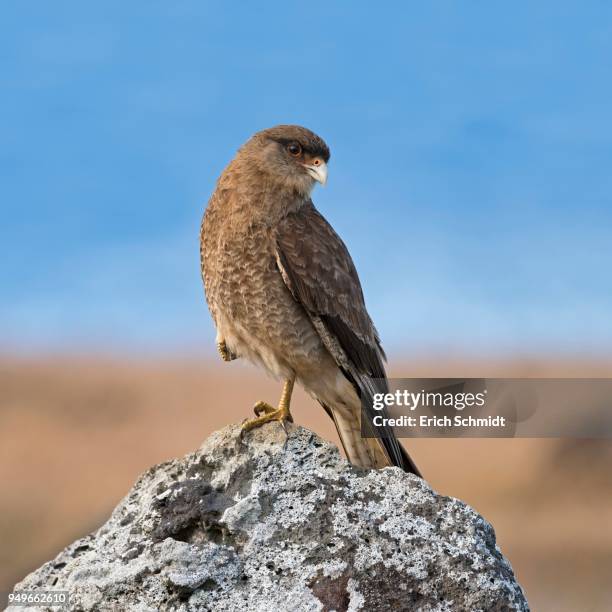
(294, 149)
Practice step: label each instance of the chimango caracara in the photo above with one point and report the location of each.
(284, 293)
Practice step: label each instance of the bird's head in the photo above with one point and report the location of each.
(291, 155)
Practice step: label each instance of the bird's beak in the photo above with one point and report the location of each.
(318, 172)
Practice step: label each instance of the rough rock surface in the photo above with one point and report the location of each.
(276, 522)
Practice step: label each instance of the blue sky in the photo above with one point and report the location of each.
(471, 171)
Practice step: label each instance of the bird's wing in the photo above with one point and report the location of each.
(318, 270)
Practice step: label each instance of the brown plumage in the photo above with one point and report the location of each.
(284, 293)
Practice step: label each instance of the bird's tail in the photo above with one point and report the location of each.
(365, 452)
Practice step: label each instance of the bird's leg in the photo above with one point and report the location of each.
(270, 413)
(225, 353)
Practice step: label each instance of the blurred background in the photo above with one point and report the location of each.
(470, 178)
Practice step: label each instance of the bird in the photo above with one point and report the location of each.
(284, 292)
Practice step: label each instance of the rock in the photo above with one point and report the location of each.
(280, 522)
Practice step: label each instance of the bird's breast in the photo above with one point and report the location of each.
(253, 309)
(240, 272)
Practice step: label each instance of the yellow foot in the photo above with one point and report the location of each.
(225, 353)
(270, 414)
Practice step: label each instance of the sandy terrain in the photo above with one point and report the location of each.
(75, 432)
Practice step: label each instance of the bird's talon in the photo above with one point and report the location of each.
(286, 430)
(281, 414)
(263, 408)
(225, 353)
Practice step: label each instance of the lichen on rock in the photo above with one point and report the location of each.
(280, 522)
